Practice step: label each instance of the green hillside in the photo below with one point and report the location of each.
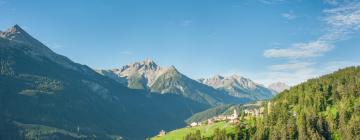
(323, 108)
(206, 131)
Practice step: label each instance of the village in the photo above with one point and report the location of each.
(234, 118)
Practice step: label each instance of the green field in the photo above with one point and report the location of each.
(206, 131)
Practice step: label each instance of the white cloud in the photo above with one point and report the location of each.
(345, 20)
(341, 22)
(300, 50)
(289, 15)
(294, 73)
(291, 73)
(336, 65)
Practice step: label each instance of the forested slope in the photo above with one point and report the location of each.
(323, 108)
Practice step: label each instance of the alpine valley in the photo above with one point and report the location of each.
(323, 108)
(180, 70)
(45, 95)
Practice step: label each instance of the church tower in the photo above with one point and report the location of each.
(235, 115)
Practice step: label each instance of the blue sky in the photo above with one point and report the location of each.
(265, 40)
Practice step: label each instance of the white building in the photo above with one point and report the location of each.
(235, 115)
(162, 133)
(194, 124)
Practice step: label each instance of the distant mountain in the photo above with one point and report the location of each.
(44, 95)
(238, 86)
(139, 75)
(149, 76)
(278, 87)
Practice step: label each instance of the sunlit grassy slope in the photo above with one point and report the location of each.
(206, 131)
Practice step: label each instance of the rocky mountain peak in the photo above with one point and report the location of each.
(238, 86)
(237, 77)
(149, 62)
(17, 33)
(146, 65)
(172, 68)
(147, 69)
(33, 47)
(15, 29)
(218, 77)
(220, 81)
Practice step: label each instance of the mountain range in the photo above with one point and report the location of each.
(45, 95)
(238, 86)
(147, 75)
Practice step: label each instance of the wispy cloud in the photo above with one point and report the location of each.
(294, 73)
(335, 65)
(300, 50)
(186, 23)
(291, 73)
(340, 23)
(289, 15)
